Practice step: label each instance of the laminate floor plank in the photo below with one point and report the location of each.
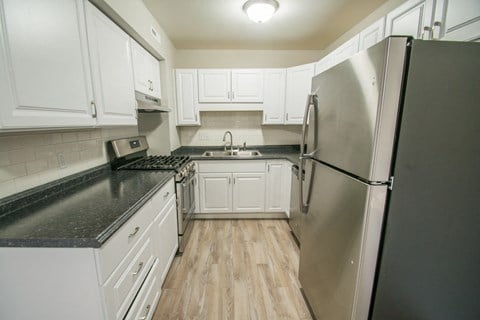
(235, 269)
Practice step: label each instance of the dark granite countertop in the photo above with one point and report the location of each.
(287, 152)
(80, 211)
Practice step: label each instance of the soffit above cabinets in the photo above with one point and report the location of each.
(298, 24)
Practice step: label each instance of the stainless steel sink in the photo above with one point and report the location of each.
(235, 153)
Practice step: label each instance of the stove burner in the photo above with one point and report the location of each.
(158, 163)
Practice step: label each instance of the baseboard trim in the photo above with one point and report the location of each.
(245, 215)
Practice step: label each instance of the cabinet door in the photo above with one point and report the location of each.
(274, 96)
(215, 192)
(45, 76)
(214, 85)
(249, 192)
(299, 84)
(187, 97)
(346, 50)
(457, 20)
(155, 77)
(167, 233)
(325, 63)
(372, 34)
(142, 64)
(413, 18)
(247, 85)
(274, 188)
(112, 70)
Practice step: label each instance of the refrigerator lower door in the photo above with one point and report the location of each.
(296, 216)
(340, 239)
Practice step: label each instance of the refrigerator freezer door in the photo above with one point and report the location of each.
(340, 239)
(358, 102)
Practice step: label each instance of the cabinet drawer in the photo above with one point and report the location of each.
(110, 255)
(144, 305)
(232, 166)
(162, 197)
(123, 284)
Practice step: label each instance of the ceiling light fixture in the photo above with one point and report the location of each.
(260, 11)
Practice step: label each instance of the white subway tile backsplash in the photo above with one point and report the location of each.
(69, 137)
(12, 172)
(30, 159)
(36, 166)
(245, 126)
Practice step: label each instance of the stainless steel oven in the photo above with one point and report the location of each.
(185, 189)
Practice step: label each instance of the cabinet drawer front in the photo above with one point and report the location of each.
(110, 255)
(144, 305)
(232, 166)
(132, 278)
(162, 197)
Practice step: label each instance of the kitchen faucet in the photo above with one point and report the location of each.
(231, 140)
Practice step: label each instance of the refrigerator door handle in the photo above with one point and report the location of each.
(310, 101)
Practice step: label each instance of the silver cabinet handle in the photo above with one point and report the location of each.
(135, 231)
(229, 181)
(147, 308)
(233, 95)
(287, 116)
(428, 30)
(140, 266)
(166, 195)
(268, 168)
(93, 107)
(437, 29)
(233, 180)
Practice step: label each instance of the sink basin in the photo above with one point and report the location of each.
(235, 153)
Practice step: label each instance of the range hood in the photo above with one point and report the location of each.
(148, 104)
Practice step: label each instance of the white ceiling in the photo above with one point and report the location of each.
(221, 24)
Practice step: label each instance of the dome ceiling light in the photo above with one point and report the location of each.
(260, 11)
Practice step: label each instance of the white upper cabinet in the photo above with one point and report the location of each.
(214, 85)
(346, 50)
(457, 20)
(247, 85)
(325, 63)
(274, 96)
(299, 85)
(372, 34)
(111, 69)
(45, 76)
(187, 97)
(413, 18)
(226, 86)
(146, 70)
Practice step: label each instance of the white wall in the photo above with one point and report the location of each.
(30, 159)
(244, 58)
(246, 126)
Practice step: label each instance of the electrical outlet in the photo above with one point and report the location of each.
(61, 160)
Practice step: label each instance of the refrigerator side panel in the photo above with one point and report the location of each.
(430, 261)
(358, 102)
(340, 236)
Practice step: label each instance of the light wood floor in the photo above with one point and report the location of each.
(235, 269)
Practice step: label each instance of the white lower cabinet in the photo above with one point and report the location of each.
(120, 280)
(277, 186)
(215, 192)
(231, 186)
(241, 186)
(248, 192)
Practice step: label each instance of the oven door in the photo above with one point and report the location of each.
(186, 201)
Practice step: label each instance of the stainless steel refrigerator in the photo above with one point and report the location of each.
(391, 152)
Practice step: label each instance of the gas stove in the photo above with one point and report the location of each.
(131, 154)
